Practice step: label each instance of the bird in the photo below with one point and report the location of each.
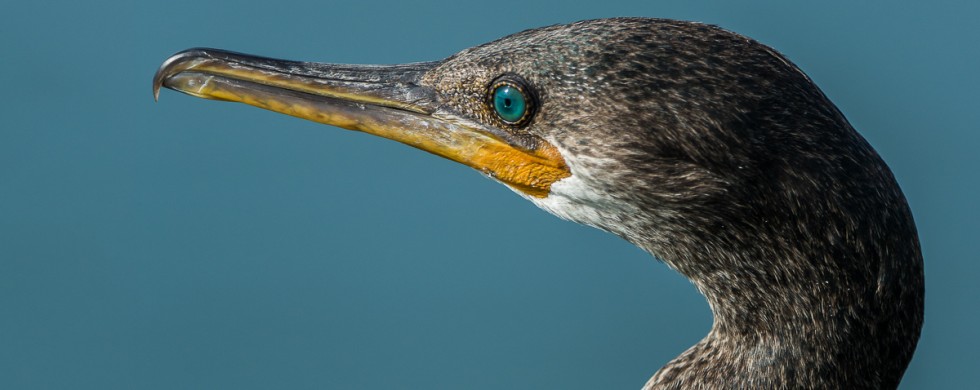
(707, 149)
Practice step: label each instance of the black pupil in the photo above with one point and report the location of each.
(507, 102)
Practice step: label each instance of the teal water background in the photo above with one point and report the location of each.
(197, 244)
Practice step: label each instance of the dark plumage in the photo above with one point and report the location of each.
(712, 152)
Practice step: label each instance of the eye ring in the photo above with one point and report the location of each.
(511, 100)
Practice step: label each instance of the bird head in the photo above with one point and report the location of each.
(681, 137)
(707, 149)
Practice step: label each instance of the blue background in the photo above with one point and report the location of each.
(197, 244)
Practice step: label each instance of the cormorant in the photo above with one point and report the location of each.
(707, 149)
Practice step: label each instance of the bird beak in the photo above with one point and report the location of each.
(387, 101)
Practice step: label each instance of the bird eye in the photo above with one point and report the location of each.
(511, 101)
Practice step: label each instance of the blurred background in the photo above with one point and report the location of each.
(199, 244)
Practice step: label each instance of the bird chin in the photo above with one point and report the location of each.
(578, 199)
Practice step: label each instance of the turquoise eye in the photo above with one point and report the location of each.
(510, 103)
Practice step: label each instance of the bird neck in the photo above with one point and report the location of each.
(778, 327)
(814, 278)
(836, 305)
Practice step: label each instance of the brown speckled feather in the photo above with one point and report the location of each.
(717, 155)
